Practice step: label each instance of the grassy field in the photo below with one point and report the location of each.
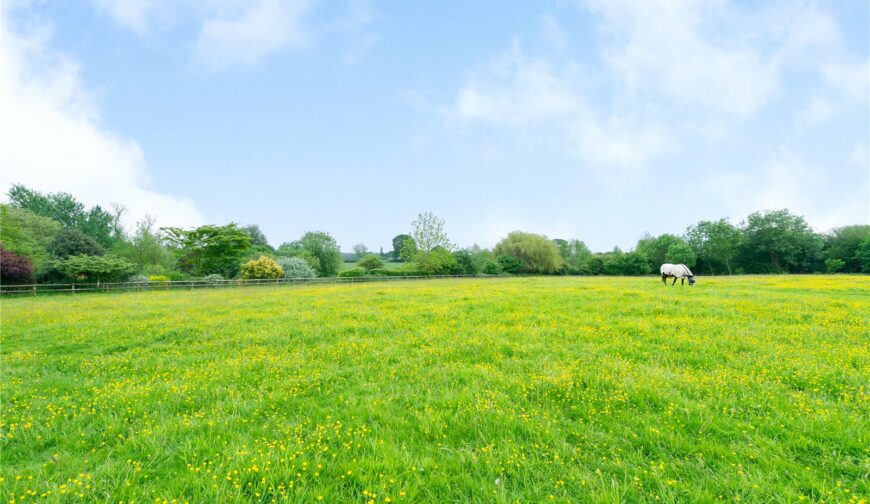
(497, 390)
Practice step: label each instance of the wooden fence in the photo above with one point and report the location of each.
(72, 288)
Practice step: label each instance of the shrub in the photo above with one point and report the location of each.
(158, 278)
(214, 278)
(509, 264)
(491, 268)
(138, 279)
(262, 269)
(370, 262)
(834, 265)
(437, 262)
(296, 267)
(99, 268)
(176, 276)
(352, 273)
(15, 268)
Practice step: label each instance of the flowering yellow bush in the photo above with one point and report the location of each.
(262, 268)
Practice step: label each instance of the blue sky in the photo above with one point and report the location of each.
(598, 120)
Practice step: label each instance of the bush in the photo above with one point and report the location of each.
(95, 268)
(158, 278)
(393, 272)
(296, 267)
(15, 268)
(437, 262)
(214, 278)
(509, 264)
(176, 276)
(370, 262)
(834, 265)
(352, 273)
(491, 268)
(263, 268)
(140, 279)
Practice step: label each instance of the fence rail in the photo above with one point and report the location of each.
(72, 288)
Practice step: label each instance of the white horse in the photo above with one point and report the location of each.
(676, 271)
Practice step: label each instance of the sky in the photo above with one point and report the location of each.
(591, 119)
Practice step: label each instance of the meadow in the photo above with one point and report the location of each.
(562, 389)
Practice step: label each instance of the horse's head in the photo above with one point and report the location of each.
(692, 280)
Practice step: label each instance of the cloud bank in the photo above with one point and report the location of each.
(52, 139)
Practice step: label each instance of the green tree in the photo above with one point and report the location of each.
(716, 244)
(145, 247)
(655, 249)
(680, 253)
(779, 242)
(842, 244)
(397, 245)
(438, 261)
(573, 253)
(72, 242)
(409, 250)
(25, 233)
(318, 245)
(62, 207)
(509, 264)
(618, 262)
(360, 250)
(428, 232)
(537, 252)
(370, 262)
(862, 255)
(209, 249)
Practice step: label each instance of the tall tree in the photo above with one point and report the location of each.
(69, 212)
(655, 249)
(537, 252)
(428, 232)
(779, 242)
(360, 250)
(842, 244)
(209, 249)
(716, 244)
(145, 246)
(397, 245)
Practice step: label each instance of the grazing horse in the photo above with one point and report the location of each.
(676, 271)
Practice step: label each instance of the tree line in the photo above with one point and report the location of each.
(53, 238)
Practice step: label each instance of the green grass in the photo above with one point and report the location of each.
(496, 390)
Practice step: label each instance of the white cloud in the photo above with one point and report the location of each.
(52, 139)
(787, 181)
(243, 32)
(258, 29)
(134, 15)
(550, 107)
(664, 47)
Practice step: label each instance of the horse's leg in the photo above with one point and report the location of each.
(664, 279)
(675, 281)
(682, 281)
